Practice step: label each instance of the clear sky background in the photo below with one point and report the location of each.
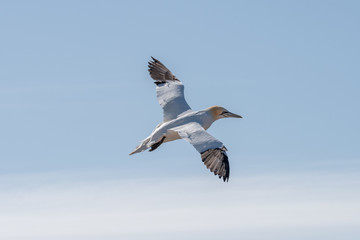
(76, 98)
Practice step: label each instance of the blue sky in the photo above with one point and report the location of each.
(76, 98)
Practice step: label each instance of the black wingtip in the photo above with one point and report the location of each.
(217, 155)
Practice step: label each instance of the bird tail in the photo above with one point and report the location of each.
(142, 146)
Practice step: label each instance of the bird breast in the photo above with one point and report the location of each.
(171, 136)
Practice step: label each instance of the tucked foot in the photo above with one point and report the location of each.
(157, 144)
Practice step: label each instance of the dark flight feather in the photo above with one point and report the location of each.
(217, 161)
(159, 72)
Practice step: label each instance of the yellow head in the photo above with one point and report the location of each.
(218, 112)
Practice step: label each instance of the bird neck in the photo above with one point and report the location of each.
(209, 118)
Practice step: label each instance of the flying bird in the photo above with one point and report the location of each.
(180, 121)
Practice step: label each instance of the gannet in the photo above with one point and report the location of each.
(180, 121)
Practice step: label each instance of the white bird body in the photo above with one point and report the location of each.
(180, 121)
(166, 129)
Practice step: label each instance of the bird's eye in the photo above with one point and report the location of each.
(224, 112)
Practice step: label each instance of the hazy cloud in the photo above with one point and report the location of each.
(84, 208)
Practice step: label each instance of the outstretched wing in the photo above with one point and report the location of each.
(213, 152)
(169, 90)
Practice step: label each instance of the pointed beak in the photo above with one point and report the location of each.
(232, 115)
